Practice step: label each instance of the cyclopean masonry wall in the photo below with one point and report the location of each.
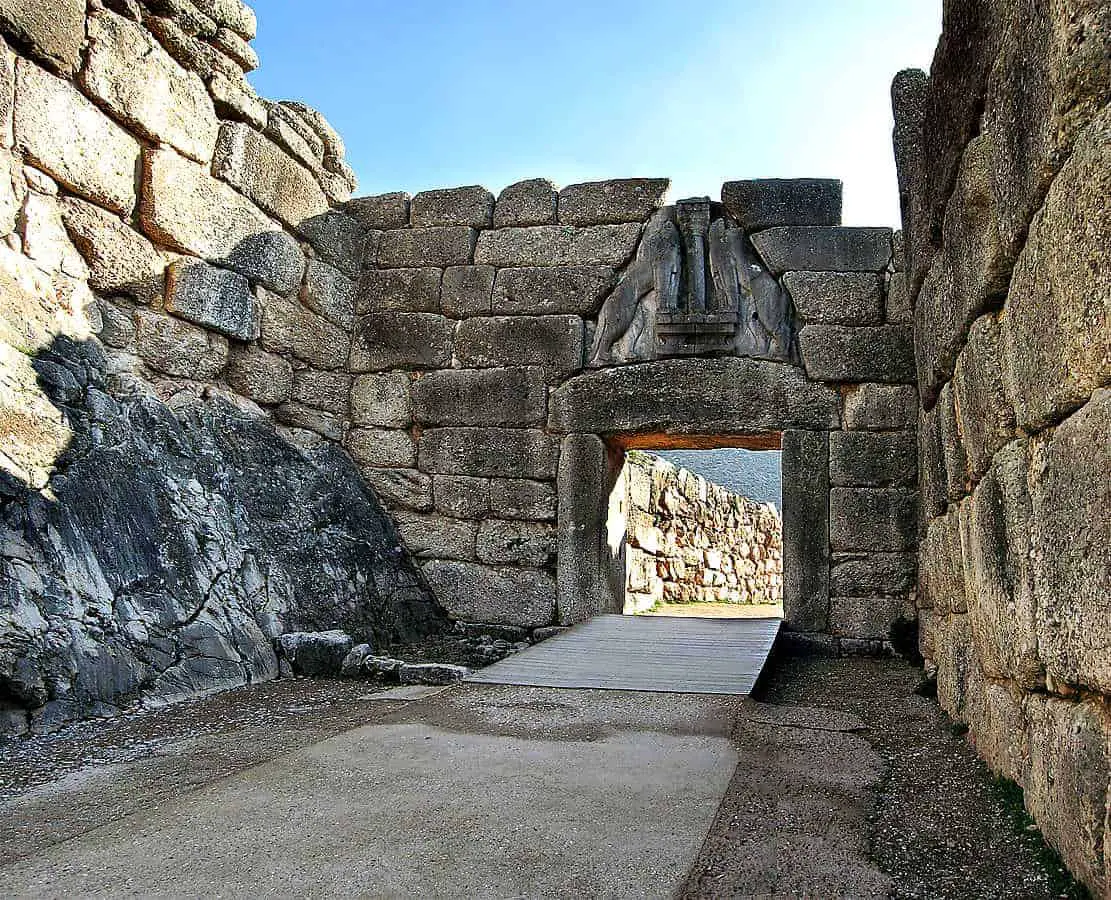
(1004, 158)
(173, 282)
(688, 540)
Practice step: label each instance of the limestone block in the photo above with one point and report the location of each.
(328, 391)
(338, 240)
(558, 245)
(611, 202)
(267, 175)
(489, 452)
(516, 542)
(1071, 535)
(120, 260)
(824, 249)
(288, 129)
(957, 477)
(403, 290)
(270, 258)
(494, 595)
(382, 400)
(388, 340)
(957, 669)
(191, 52)
(382, 448)
(998, 728)
(769, 202)
(872, 574)
(897, 301)
(405, 488)
(53, 32)
(288, 327)
(297, 415)
(505, 397)
(117, 327)
(865, 618)
(1057, 318)
(837, 298)
(466, 291)
(177, 348)
(881, 407)
(45, 239)
(933, 490)
(693, 395)
(263, 377)
(986, 418)
(473, 205)
(878, 519)
(213, 297)
(804, 466)
(436, 537)
(413, 248)
(231, 44)
(329, 293)
(461, 496)
(531, 202)
(873, 458)
(519, 498)
(941, 579)
(68, 137)
(553, 342)
(233, 14)
(140, 84)
(381, 212)
(839, 353)
(546, 290)
(235, 99)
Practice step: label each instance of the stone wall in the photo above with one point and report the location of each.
(176, 299)
(1004, 158)
(688, 540)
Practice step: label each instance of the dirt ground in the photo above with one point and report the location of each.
(717, 610)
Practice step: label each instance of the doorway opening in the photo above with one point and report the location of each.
(696, 529)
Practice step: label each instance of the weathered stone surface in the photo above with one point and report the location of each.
(318, 653)
(878, 519)
(235, 99)
(329, 293)
(873, 458)
(268, 176)
(388, 340)
(546, 290)
(490, 397)
(839, 353)
(958, 673)
(958, 481)
(897, 300)
(287, 129)
(270, 258)
(53, 33)
(558, 245)
(872, 574)
(941, 582)
(865, 618)
(120, 260)
(466, 291)
(328, 391)
(177, 348)
(880, 407)
(553, 342)
(216, 298)
(232, 45)
(824, 249)
(45, 239)
(933, 492)
(1057, 319)
(837, 298)
(381, 212)
(264, 377)
(382, 448)
(68, 137)
(693, 396)
(288, 327)
(412, 248)
(770, 202)
(805, 472)
(987, 419)
(501, 596)
(306, 418)
(519, 498)
(531, 202)
(489, 452)
(1071, 535)
(437, 537)
(516, 542)
(461, 496)
(403, 290)
(382, 400)
(472, 206)
(431, 673)
(611, 202)
(405, 488)
(338, 239)
(232, 14)
(139, 83)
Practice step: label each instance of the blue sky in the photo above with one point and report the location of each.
(428, 93)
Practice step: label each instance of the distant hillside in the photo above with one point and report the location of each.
(752, 473)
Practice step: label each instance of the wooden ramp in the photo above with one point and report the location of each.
(642, 653)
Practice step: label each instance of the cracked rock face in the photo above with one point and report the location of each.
(173, 544)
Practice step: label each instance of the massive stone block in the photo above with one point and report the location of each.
(72, 140)
(872, 574)
(489, 452)
(873, 459)
(933, 493)
(941, 577)
(381, 212)
(405, 488)
(461, 496)
(382, 448)
(840, 353)
(878, 519)
(120, 260)
(543, 290)
(805, 472)
(768, 202)
(288, 327)
(437, 537)
(413, 248)
(489, 397)
(530, 202)
(493, 595)
(553, 342)
(837, 298)
(881, 407)
(264, 377)
(390, 340)
(329, 293)
(822, 249)
(339, 240)
(693, 395)
(558, 245)
(958, 480)
(466, 290)
(516, 542)
(213, 297)
(520, 498)
(177, 348)
(53, 33)
(403, 290)
(382, 400)
(986, 417)
(130, 74)
(472, 206)
(611, 202)
(865, 618)
(329, 391)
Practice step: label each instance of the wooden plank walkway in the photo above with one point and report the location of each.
(645, 653)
